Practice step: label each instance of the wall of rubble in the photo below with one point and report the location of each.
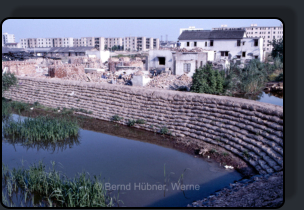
(20, 67)
(250, 129)
(64, 70)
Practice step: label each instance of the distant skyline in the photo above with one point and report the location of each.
(77, 28)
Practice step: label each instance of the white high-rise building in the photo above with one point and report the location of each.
(268, 33)
(8, 38)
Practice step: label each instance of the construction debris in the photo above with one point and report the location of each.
(171, 82)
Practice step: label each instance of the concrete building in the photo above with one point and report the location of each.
(178, 63)
(140, 43)
(12, 45)
(8, 38)
(268, 33)
(226, 44)
(111, 42)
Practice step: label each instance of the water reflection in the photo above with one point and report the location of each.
(48, 146)
(275, 98)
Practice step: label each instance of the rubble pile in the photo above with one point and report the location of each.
(171, 82)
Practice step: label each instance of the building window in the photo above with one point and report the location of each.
(256, 42)
(187, 67)
(238, 56)
(243, 43)
(238, 43)
(205, 44)
(195, 43)
(188, 44)
(224, 53)
(211, 43)
(243, 54)
(256, 57)
(162, 60)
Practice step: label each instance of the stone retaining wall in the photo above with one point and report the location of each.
(250, 129)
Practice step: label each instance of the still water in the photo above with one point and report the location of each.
(131, 158)
(270, 97)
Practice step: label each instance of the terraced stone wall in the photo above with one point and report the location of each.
(251, 129)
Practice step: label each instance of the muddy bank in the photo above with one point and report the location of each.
(258, 191)
(274, 87)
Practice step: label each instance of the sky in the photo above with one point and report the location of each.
(77, 28)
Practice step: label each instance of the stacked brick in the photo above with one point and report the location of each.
(250, 129)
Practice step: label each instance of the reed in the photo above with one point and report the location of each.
(42, 128)
(56, 189)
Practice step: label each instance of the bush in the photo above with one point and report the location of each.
(164, 130)
(251, 79)
(279, 77)
(8, 80)
(131, 122)
(207, 80)
(272, 77)
(116, 118)
(140, 121)
(20, 106)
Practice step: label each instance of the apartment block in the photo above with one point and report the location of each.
(268, 33)
(140, 43)
(100, 43)
(111, 42)
(7, 38)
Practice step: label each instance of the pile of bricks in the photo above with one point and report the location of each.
(170, 82)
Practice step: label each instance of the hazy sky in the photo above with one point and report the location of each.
(76, 28)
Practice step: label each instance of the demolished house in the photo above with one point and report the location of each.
(178, 63)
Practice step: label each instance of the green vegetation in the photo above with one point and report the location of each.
(140, 121)
(208, 80)
(164, 131)
(278, 49)
(8, 80)
(213, 151)
(116, 118)
(56, 188)
(249, 80)
(41, 129)
(246, 154)
(131, 122)
(279, 77)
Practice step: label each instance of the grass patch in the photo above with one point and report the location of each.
(55, 188)
(164, 131)
(41, 129)
(131, 122)
(140, 121)
(116, 118)
(212, 151)
(246, 154)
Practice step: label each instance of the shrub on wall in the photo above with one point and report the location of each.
(207, 80)
(8, 80)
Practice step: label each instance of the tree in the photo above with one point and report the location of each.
(207, 80)
(114, 48)
(278, 48)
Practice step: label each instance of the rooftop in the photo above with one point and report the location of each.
(211, 34)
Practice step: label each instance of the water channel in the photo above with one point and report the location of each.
(131, 158)
(275, 98)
